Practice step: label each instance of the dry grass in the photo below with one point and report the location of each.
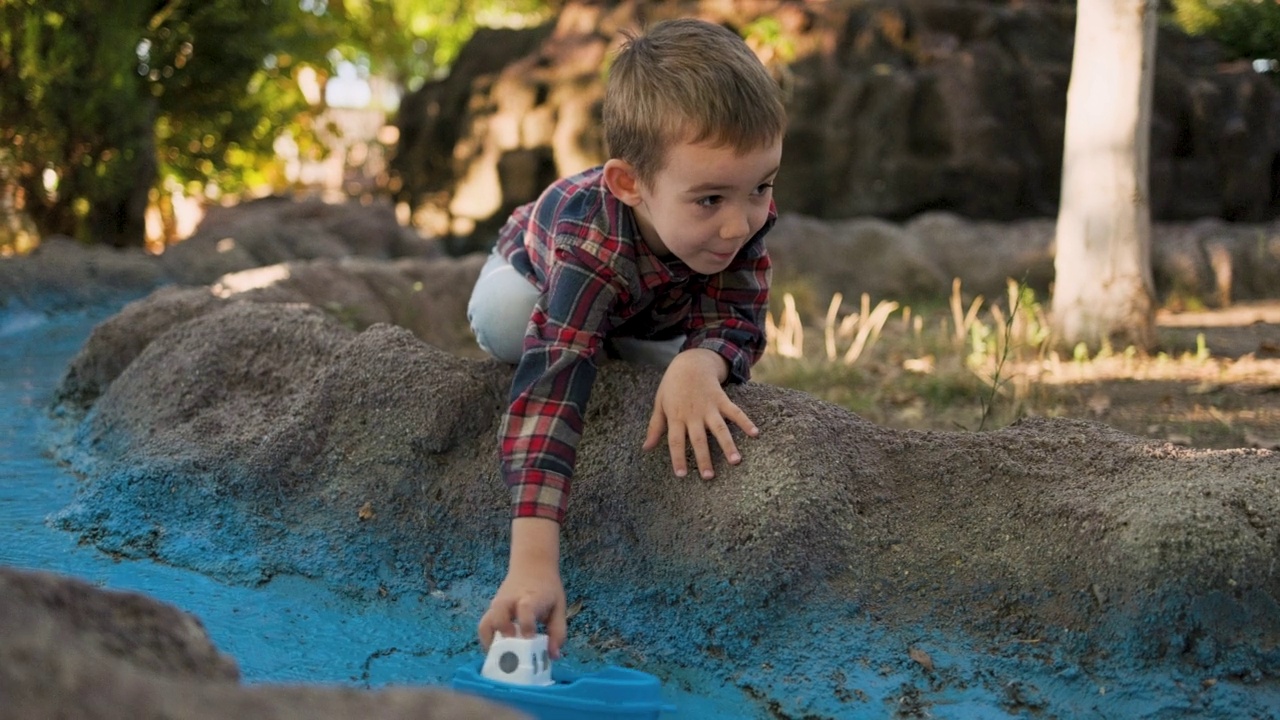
(974, 364)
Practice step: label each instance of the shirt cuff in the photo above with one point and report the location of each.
(739, 361)
(537, 493)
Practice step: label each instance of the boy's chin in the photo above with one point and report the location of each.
(709, 265)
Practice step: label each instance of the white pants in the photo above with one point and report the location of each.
(502, 303)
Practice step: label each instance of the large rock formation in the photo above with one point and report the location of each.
(278, 229)
(1209, 261)
(63, 274)
(252, 435)
(897, 107)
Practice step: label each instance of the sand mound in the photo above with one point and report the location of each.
(254, 434)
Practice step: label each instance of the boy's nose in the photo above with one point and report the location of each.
(736, 225)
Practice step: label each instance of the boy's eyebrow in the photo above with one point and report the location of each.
(711, 186)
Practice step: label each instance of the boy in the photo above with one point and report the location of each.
(660, 251)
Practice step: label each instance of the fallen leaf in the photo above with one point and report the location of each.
(1178, 439)
(366, 511)
(921, 657)
(572, 610)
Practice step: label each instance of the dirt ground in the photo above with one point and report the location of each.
(1226, 397)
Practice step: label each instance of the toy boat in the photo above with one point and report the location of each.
(517, 673)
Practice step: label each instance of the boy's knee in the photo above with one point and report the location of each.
(502, 336)
(499, 309)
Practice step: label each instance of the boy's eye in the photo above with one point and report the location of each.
(709, 201)
(763, 188)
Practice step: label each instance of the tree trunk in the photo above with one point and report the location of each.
(118, 210)
(1103, 288)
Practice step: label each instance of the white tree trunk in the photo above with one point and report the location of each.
(1103, 289)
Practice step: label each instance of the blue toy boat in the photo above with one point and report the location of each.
(610, 693)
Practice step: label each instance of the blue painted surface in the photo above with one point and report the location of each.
(613, 692)
(289, 629)
(822, 660)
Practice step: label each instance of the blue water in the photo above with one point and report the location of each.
(295, 630)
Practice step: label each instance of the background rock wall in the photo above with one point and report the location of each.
(897, 107)
(382, 264)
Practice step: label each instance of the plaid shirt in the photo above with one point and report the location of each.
(581, 247)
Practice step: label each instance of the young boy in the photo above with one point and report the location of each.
(660, 252)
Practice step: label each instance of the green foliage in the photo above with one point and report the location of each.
(101, 102)
(225, 74)
(412, 40)
(767, 32)
(1248, 29)
(96, 99)
(69, 104)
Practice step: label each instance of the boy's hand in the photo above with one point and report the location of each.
(532, 591)
(690, 403)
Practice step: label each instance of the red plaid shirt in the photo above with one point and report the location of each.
(581, 247)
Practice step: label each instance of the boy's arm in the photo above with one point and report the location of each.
(725, 338)
(539, 441)
(532, 590)
(565, 248)
(552, 386)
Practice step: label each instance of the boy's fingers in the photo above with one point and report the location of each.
(701, 451)
(557, 630)
(725, 439)
(526, 620)
(657, 424)
(496, 620)
(675, 443)
(486, 631)
(739, 418)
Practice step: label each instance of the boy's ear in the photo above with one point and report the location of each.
(622, 181)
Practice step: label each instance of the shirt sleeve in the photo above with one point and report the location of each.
(510, 240)
(553, 382)
(729, 315)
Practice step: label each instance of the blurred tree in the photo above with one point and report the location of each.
(1103, 288)
(409, 41)
(90, 92)
(101, 101)
(1248, 29)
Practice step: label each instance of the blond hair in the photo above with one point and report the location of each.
(687, 80)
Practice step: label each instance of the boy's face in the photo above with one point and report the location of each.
(706, 203)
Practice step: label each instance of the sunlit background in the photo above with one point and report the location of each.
(244, 99)
(182, 104)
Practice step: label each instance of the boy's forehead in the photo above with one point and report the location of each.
(708, 165)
